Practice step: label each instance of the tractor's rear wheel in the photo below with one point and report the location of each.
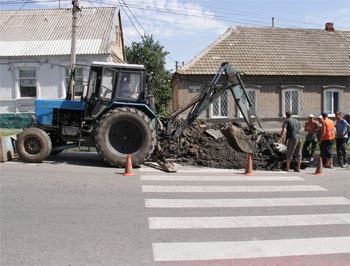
(125, 131)
(33, 145)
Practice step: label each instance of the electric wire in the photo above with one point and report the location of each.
(245, 18)
(132, 23)
(138, 22)
(2, 25)
(223, 15)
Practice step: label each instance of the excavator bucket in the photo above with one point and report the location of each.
(162, 161)
(239, 140)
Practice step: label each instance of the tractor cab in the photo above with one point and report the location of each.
(113, 83)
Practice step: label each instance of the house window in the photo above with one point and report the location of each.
(78, 80)
(27, 82)
(219, 107)
(253, 97)
(291, 101)
(252, 94)
(332, 101)
(194, 89)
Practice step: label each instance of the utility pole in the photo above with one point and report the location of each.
(75, 10)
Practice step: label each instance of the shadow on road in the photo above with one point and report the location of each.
(82, 158)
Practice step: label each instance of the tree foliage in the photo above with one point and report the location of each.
(152, 55)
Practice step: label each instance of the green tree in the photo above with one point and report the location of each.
(152, 55)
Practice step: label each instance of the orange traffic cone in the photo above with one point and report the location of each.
(128, 167)
(249, 168)
(319, 169)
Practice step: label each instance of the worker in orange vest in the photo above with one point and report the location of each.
(326, 140)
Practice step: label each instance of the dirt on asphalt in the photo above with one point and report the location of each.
(202, 144)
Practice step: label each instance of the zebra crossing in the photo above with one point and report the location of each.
(193, 191)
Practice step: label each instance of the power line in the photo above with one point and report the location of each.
(18, 2)
(138, 22)
(219, 14)
(131, 21)
(223, 15)
(24, 3)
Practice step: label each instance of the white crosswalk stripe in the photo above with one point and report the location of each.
(247, 221)
(244, 203)
(215, 189)
(218, 178)
(249, 249)
(162, 192)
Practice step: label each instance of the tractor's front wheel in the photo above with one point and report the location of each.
(125, 131)
(33, 145)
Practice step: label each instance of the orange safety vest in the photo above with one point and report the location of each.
(329, 133)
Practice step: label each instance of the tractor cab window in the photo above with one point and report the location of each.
(94, 88)
(107, 83)
(94, 83)
(129, 85)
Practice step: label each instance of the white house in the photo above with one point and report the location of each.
(35, 54)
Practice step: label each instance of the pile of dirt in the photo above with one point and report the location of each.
(202, 144)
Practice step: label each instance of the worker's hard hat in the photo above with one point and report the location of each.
(311, 115)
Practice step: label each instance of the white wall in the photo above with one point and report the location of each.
(50, 78)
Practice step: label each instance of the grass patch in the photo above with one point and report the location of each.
(9, 132)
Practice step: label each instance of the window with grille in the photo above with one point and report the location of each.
(78, 90)
(27, 82)
(292, 101)
(252, 94)
(332, 101)
(219, 107)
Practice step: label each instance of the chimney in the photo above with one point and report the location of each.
(329, 27)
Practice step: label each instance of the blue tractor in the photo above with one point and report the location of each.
(114, 116)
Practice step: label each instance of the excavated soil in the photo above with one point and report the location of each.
(202, 144)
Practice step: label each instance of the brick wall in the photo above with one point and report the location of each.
(269, 93)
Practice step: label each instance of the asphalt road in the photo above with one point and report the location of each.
(76, 210)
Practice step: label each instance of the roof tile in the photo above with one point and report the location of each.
(276, 51)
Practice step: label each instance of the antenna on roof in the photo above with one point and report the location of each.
(273, 22)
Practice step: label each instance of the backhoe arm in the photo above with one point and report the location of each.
(212, 91)
(239, 93)
(200, 103)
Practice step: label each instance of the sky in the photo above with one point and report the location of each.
(185, 27)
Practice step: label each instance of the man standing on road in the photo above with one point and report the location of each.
(343, 129)
(310, 127)
(326, 140)
(291, 127)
